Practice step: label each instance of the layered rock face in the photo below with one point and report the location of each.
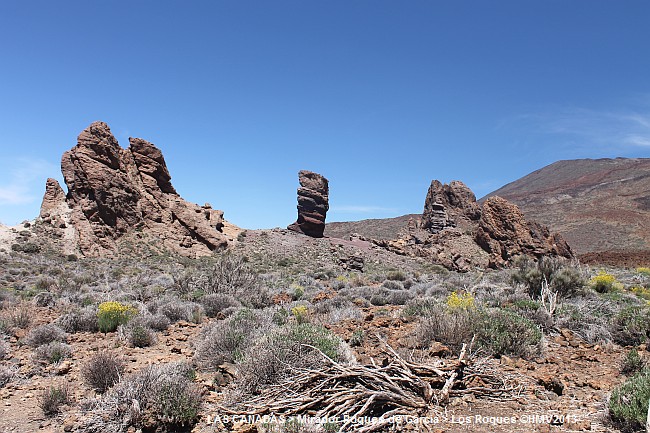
(458, 233)
(113, 192)
(313, 204)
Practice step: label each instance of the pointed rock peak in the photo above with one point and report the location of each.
(53, 197)
(449, 205)
(100, 144)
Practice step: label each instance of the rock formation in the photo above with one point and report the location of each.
(458, 233)
(115, 192)
(504, 233)
(313, 203)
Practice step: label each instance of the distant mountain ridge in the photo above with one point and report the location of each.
(596, 204)
(380, 228)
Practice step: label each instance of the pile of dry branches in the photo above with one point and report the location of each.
(397, 387)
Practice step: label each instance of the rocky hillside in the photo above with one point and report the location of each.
(380, 228)
(600, 205)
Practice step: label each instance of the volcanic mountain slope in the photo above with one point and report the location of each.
(597, 205)
(381, 228)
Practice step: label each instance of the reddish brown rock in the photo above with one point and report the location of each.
(53, 199)
(115, 192)
(505, 233)
(458, 233)
(449, 205)
(313, 204)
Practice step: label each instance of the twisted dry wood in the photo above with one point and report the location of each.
(398, 387)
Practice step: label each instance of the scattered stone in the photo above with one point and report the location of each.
(552, 383)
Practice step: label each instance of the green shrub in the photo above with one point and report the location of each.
(274, 357)
(632, 363)
(357, 338)
(628, 405)
(631, 326)
(139, 335)
(504, 332)
(315, 335)
(562, 278)
(112, 314)
(53, 398)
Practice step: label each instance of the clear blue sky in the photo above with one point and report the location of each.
(379, 96)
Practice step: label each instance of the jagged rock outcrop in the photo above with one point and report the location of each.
(313, 204)
(449, 205)
(53, 199)
(115, 192)
(504, 232)
(458, 233)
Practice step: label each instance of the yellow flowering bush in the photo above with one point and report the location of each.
(463, 301)
(641, 292)
(112, 314)
(604, 282)
(643, 270)
(301, 313)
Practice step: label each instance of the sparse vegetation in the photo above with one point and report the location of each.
(290, 320)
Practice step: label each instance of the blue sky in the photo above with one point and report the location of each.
(381, 97)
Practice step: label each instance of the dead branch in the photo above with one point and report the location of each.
(397, 387)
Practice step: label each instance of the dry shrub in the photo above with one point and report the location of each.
(160, 398)
(6, 375)
(450, 327)
(225, 341)
(21, 316)
(79, 320)
(102, 371)
(4, 350)
(215, 303)
(157, 322)
(53, 352)
(45, 334)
